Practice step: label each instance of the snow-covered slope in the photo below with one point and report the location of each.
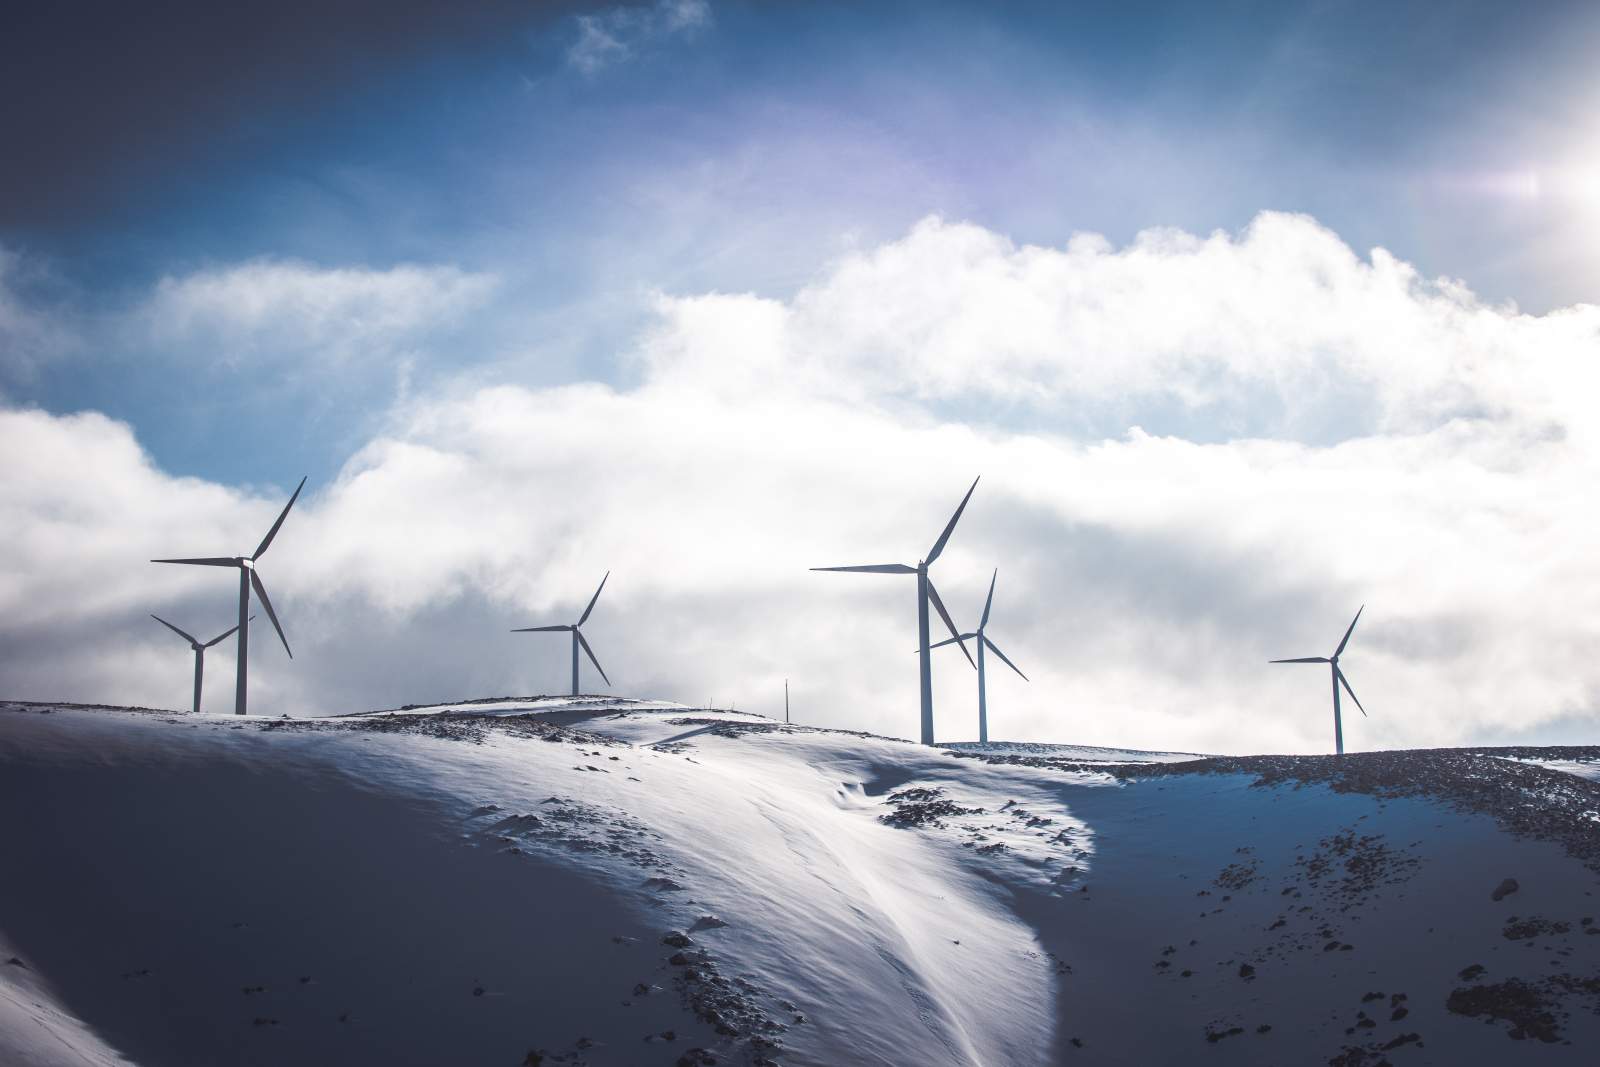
(610, 882)
(34, 1030)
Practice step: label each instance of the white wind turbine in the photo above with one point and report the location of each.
(925, 593)
(1338, 680)
(248, 577)
(982, 641)
(577, 637)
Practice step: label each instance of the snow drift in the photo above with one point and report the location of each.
(601, 881)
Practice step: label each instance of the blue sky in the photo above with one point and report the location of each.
(740, 148)
(313, 240)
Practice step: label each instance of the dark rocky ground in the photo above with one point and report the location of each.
(1528, 800)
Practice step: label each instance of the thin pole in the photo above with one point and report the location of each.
(244, 641)
(1338, 727)
(983, 705)
(924, 665)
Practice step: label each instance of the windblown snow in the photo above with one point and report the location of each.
(600, 881)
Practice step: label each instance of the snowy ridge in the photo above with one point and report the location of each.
(531, 705)
(1079, 753)
(597, 881)
(1587, 767)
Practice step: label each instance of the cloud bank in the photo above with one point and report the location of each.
(1198, 453)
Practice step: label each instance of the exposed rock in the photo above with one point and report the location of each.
(1531, 927)
(1216, 1031)
(923, 807)
(1525, 1006)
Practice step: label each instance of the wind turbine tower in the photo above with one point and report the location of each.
(577, 637)
(248, 577)
(926, 593)
(982, 640)
(199, 653)
(1338, 680)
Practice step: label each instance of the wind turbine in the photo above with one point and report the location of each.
(199, 653)
(982, 640)
(1338, 680)
(577, 638)
(248, 576)
(925, 593)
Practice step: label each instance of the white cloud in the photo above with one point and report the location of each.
(275, 309)
(1144, 578)
(1283, 331)
(620, 33)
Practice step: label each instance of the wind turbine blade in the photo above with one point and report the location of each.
(284, 514)
(1350, 631)
(223, 636)
(996, 650)
(1306, 659)
(933, 595)
(585, 616)
(207, 561)
(590, 651)
(941, 644)
(986, 604)
(174, 629)
(539, 629)
(266, 602)
(1346, 683)
(876, 568)
(938, 546)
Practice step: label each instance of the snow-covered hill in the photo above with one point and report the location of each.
(559, 881)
